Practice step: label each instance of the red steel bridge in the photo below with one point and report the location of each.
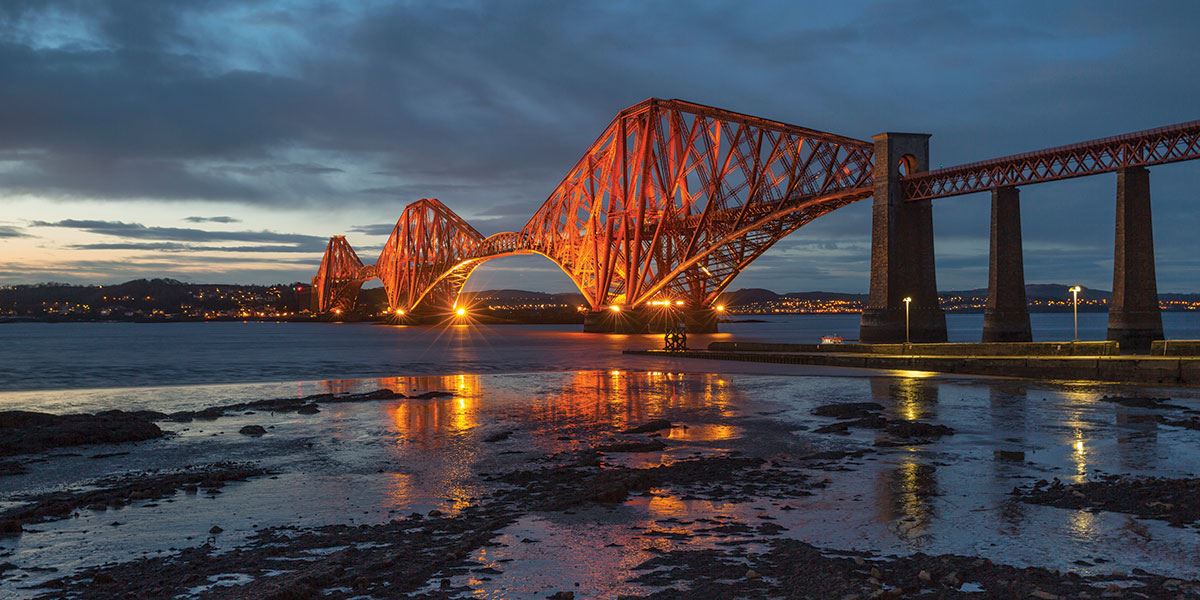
(674, 199)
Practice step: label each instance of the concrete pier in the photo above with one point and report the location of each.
(1134, 319)
(902, 262)
(1006, 317)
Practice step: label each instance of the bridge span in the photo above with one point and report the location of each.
(674, 199)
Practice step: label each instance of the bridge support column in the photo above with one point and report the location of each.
(1006, 317)
(902, 263)
(1134, 319)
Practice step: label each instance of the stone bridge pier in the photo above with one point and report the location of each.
(1134, 319)
(1006, 315)
(902, 263)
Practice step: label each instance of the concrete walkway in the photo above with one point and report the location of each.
(1165, 370)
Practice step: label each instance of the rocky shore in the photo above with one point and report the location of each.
(695, 501)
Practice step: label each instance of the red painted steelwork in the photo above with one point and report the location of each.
(339, 277)
(672, 200)
(1144, 148)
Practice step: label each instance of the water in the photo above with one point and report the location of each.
(558, 389)
(37, 356)
(368, 462)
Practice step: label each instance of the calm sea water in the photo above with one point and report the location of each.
(38, 356)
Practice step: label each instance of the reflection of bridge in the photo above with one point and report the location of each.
(674, 199)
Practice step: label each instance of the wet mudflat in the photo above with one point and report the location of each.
(619, 483)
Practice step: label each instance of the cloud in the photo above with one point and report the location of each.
(177, 247)
(9, 231)
(140, 231)
(286, 169)
(316, 107)
(212, 220)
(374, 228)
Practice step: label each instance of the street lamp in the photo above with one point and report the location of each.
(907, 302)
(1075, 307)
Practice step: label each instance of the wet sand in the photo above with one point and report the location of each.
(528, 485)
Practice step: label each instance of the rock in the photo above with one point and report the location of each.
(308, 409)
(216, 530)
(10, 527)
(433, 394)
(923, 575)
(917, 429)
(498, 437)
(254, 430)
(562, 596)
(23, 432)
(649, 446)
(11, 467)
(649, 426)
(848, 410)
(752, 574)
(102, 579)
(1009, 455)
(1043, 595)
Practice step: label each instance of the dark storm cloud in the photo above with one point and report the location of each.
(218, 219)
(486, 105)
(177, 247)
(374, 228)
(184, 234)
(288, 169)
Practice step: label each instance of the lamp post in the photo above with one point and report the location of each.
(1075, 307)
(907, 302)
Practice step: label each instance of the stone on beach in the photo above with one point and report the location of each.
(23, 432)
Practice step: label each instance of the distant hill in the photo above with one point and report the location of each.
(523, 296)
(1043, 291)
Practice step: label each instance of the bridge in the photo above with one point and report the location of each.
(674, 199)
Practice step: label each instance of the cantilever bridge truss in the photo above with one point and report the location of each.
(673, 200)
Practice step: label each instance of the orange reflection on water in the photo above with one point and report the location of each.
(623, 398)
(665, 505)
(906, 494)
(417, 417)
(914, 397)
(704, 432)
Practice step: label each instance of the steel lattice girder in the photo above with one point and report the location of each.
(673, 198)
(339, 277)
(1140, 149)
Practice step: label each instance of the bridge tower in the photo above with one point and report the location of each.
(1006, 316)
(902, 264)
(1134, 319)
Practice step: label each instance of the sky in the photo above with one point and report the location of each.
(225, 141)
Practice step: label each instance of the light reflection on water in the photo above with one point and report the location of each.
(377, 458)
(37, 356)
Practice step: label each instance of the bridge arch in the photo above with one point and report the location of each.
(672, 197)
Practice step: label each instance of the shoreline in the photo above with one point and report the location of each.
(773, 464)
